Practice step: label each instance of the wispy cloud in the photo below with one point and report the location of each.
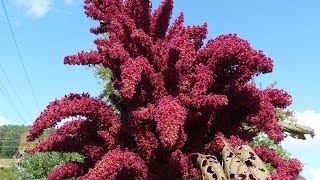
(36, 8)
(3, 120)
(68, 2)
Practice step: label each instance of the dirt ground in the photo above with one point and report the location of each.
(6, 162)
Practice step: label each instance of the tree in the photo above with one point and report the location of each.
(175, 99)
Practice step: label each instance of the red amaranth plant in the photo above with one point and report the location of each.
(176, 97)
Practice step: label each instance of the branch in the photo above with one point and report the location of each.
(297, 130)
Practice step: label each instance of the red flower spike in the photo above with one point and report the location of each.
(76, 105)
(144, 135)
(177, 27)
(79, 135)
(66, 171)
(197, 34)
(182, 167)
(278, 97)
(233, 60)
(131, 75)
(170, 118)
(84, 58)
(147, 144)
(118, 164)
(113, 52)
(285, 169)
(139, 11)
(161, 18)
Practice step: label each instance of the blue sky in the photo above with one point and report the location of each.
(47, 30)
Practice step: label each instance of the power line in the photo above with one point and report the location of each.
(9, 140)
(7, 95)
(15, 92)
(4, 139)
(12, 141)
(20, 56)
(14, 147)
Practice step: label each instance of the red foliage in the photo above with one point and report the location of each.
(68, 170)
(118, 164)
(286, 169)
(176, 96)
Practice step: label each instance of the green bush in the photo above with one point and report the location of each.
(6, 173)
(39, 165)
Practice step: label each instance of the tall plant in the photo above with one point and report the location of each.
(175, 98)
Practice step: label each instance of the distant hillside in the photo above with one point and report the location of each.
(13, 138)
(10, 137)
(26, 145)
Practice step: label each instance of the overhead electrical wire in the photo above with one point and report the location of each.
(20, 56)
(15, 92)
(14, 107)
(14, 147)
(10, 140)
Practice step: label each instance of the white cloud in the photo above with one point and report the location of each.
(3, 120)
(315, 173)
(68, 119)
(308, 118)
(305, 150)
(37, 8)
